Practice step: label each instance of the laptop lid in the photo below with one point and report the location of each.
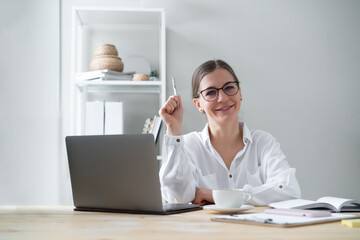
(118, 172)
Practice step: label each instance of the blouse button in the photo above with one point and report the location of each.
(280, 186)
(230, 176)
(178, 140)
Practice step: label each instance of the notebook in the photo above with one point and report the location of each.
(117, 173)
(275, 220)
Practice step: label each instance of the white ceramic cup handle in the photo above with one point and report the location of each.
(248, 196)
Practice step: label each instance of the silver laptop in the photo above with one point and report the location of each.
(117, 173)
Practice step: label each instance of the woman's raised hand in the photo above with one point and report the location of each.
(172, 115)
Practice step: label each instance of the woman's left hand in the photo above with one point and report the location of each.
(203, 196)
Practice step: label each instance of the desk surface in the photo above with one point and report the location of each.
(64, 223)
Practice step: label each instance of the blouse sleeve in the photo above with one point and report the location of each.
(178, 173)
(280, 182)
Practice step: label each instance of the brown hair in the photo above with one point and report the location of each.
(205, 68)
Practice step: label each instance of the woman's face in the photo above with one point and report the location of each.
(224, 108)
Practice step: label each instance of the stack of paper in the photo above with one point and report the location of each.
(103, 75)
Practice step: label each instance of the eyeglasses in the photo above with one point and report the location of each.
(211, 93)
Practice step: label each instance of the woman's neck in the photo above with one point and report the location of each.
(227, 139)
(229, 131)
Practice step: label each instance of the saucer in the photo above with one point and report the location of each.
(214, 208)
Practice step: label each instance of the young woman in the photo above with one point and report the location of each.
(226, 154)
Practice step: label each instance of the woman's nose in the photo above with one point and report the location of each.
(221, 96)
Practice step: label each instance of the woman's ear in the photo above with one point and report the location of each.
(197, 104)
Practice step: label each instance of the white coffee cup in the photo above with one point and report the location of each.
(230, 198)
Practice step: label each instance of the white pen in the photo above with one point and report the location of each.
(174, 88)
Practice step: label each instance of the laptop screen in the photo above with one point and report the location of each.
(114, 172)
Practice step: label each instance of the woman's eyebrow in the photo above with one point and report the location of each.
(212, 87)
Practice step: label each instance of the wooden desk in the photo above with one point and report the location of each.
(64, 223)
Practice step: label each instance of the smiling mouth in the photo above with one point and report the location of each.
(224, 108)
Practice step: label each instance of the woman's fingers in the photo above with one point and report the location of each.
(178, 99)
(172, 115)
(173, 101)
(170, 105)
(170, 108)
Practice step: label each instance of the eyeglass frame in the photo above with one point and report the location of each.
(218, 89)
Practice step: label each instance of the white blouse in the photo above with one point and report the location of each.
(190, 162)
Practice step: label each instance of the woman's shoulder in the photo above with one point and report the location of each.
(260, 133)
(261, 136)
(195, 140)
(198, 135)
(263, 141)
(193, 136)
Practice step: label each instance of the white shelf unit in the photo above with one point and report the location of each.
(120, 86)
(95, 25)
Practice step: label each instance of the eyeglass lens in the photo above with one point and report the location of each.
(229, 89)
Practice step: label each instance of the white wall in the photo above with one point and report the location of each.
(298, 62)
(29, 102)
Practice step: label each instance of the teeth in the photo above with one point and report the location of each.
(224, 108)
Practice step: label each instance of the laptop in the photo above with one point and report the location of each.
(117, 173)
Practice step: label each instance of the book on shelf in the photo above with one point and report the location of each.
(152, 126)
(103, 117)
(334, 204)
(94, 118)
(103, 75)
(113, 118)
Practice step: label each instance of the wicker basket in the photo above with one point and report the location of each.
(105, 49)
(106, 57)
(140, 77)
(107, 62)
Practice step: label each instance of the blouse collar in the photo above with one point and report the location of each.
(246, 134)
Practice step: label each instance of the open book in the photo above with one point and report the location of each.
(329, 203)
